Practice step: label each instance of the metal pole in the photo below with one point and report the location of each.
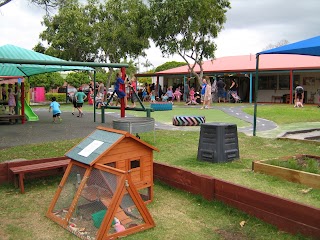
(251, 87)
(256, 96)
(123, 88)
(102, 114)
(291, 86)
(94, 95)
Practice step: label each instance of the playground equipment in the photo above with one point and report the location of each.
(143, 108)
(161, 106)
(28, 112)
(188, 120)
(103, 192)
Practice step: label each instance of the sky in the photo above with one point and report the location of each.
(251, 26)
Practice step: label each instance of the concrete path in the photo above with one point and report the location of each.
(261, 124)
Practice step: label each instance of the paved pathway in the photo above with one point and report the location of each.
(261, 124)
(235, 111)
(72, 127)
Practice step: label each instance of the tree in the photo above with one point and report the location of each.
(46, 80)
(76, 79)
(278, 44)
(48, 5)
(187, 28)
(169, 65)
(69, 34)
(106, 32)
(147, 64)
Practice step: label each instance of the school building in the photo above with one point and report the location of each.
(278, 73)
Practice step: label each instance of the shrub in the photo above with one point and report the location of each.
(61, 97)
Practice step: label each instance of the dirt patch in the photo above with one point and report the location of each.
(230, 235)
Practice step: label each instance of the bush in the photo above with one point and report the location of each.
(61, 97)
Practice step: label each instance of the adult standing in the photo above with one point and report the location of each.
(90, 94)
(186, 90)
(80, 97)
(221, 91)
(214, 91)
(233, 89)
(101, 89)
(203, 89)
(207, 95)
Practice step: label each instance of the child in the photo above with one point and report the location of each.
(164, 98)
(192, 98)
(11, 101)
(55, 106)
(144, 95)
(298, 104)
(153, 96)
(170, 94)
(177, 94)
(99, 101)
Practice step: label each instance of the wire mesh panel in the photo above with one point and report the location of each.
(68, 191)
(91, 207)
(127, 216)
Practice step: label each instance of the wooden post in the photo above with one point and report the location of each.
(22, 99)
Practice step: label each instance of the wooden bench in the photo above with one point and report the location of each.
(20, 171)
(11, 118)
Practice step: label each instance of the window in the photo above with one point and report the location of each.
(112, 164)
(284, 81)
(134, 164)
(267, 82)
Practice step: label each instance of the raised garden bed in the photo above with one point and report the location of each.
(292, 175)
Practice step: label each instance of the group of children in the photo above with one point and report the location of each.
(9, 95)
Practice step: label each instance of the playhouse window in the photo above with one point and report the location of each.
(111, 164)
(134, 164)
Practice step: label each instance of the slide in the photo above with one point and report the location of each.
(31, 116)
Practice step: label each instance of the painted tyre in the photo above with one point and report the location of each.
(188, 120)
(159, 106)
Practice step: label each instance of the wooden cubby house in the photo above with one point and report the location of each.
(103, 192)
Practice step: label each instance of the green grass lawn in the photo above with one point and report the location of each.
(178, 215)
(286, 114)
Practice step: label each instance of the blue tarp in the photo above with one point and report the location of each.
(309, 46)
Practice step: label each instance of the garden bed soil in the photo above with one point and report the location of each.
(306, 178)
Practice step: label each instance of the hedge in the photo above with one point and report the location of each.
(61, 97)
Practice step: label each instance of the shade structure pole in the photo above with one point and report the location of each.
(255, 96)
(291, 86)
(251, 87)
(123, 88)
(94, 95)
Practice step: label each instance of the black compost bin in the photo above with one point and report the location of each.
(218, 142)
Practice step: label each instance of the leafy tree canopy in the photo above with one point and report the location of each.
(46, 80)
(187, 28)
(76, 79)
(169, 65)
(110, 31)
(69, 34)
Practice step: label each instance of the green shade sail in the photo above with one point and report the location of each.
(20, 62)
